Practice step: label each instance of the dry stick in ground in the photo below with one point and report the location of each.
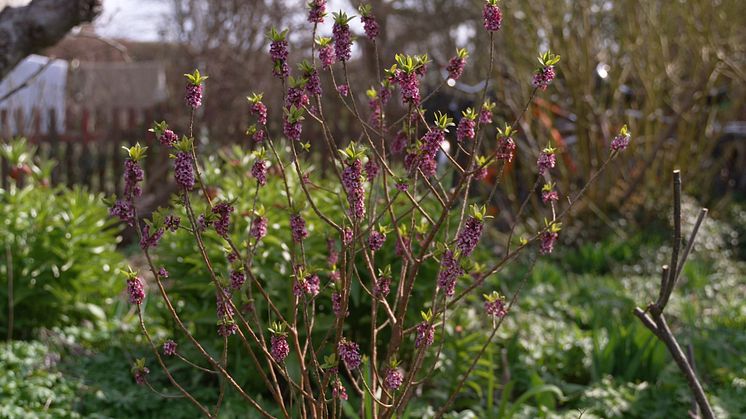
(653, 317)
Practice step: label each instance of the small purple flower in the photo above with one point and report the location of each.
(258, 136)
(313, 82)
(342, 40)
(162, 272)
(550, 195)
(172, 223)
(352, 182)
(169, 348)
(223, 306)
(505, 149)
(547, 241)
(495, 306)
(316, 11)
(278, 50)
(337, 304)
(371, 170)
(347, 236)
(547, 160)
(621, 140)
(402, 186)
(227, 327)
(298, 228)
(259, 227)
(469, 236)
(135, 290)
(260, 111)
(450, 271)
(183, 171)
(259, 172)
(455, 67)
(492, 16)
(543, 77)
(370, 26)
(203, 222)
(279, 348)
(193, 97)
(485, 115)
(394, 379)
(343, 89)
(338, 390)
(296, 97)
(133, 175)
(168, 138)
(382, 287)
(237, 279)
(292, 130)
(400, 143)
(425, 335)
(465, 130)
(331, 248)
(410, 87)
(326, 56)
(349, 352)
(141, 374)
(223, 210)
(280, 69)
(150, 240)
(124, 210)
(376, 240)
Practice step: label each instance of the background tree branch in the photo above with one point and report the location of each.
(29, 29)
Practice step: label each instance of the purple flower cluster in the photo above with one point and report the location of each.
(292, 130)
(620, 142)
(172, 223)
(133, 175)
(338, 390)
(505, 149)
(352, 182)
(410, 86)
(223, 210)
(168, 138)
(279, 347)
(258, 227)
(169, 348)
(259, 110)
(550, 195)
(347, 236)
(547, 241)
(496, 308)
(371, 170)
(326, 56)
(430, 145)
(124, 210)
(450, 270)
(376, 240)
(313, 82)
(278, 51)
(310, 285)
(227, 327)
(150, 240)
(543, 77)
(141, 374)
(259, 172)
(337, 304)
(135, 290)
(237, 279)
(349, 353)
(400, 143)
(465, 130)
(455, 67)
(316, 11)
(469, 236)
(370, 26)
(223, 307)
(343, 89)
(296, 97)
(298, 228)
(485, 115)
(394, 379)
(183, 171)
(546, 161)
(163, 272)
(342, 41)
(425, 335)
(382, 287)
(193, 97)
(493, 17)
(331, 248)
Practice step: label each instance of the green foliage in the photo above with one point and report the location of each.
(59, 245)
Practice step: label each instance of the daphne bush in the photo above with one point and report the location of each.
(403, 186)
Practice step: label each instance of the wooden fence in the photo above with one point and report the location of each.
(89, 151)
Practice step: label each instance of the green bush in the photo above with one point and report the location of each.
(58, 252)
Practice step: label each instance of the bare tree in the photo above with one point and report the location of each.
(28, 29)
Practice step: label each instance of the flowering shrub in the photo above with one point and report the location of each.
(382, 197)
